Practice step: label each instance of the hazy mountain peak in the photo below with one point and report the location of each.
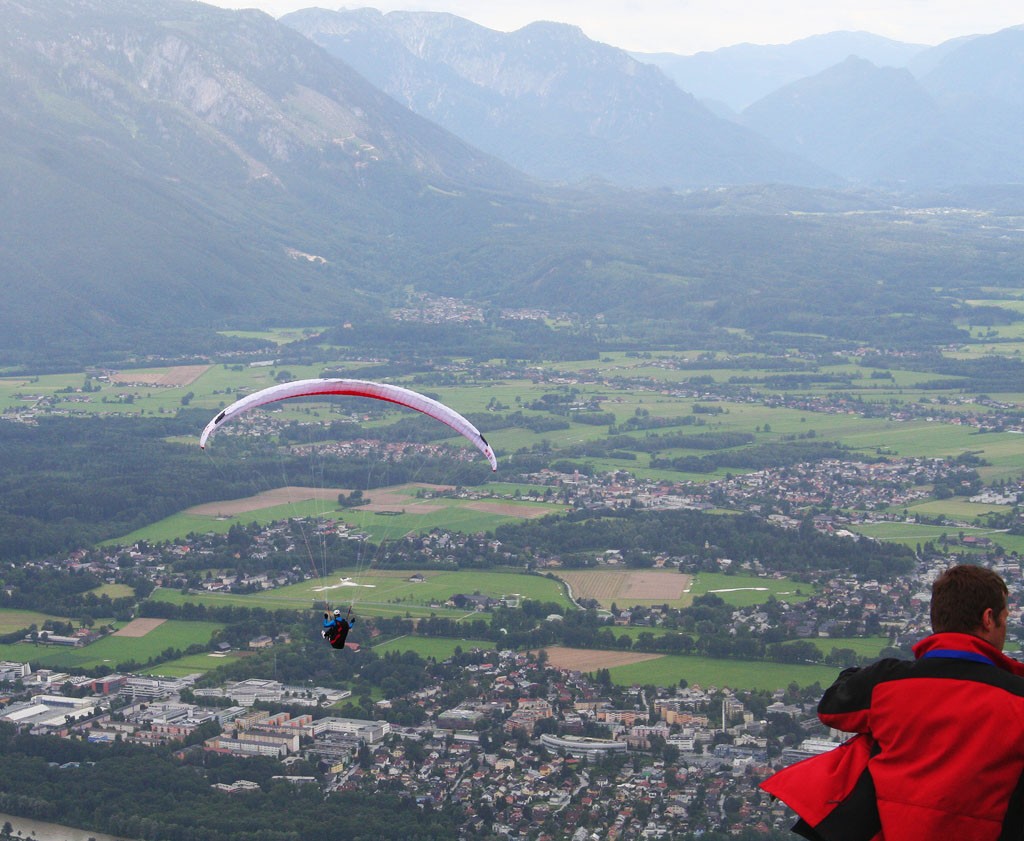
(553, 102)
(555, 30)
(251, 86)
(986, 67)
(740, 75)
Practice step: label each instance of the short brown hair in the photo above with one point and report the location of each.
(962, 594)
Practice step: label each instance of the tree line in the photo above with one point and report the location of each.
(696, 535)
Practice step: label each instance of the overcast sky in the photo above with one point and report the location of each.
(689, 26)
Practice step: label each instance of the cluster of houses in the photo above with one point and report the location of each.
(531, 747)
(860, 488)
(518, 757)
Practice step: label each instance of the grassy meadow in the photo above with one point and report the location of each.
(733, 674)
(192, 664)
(863, 646)
(912, 534)
(408, 516)
(747, 590)
(437, 648)
(376, 592)
(111, 650)
(12, 619)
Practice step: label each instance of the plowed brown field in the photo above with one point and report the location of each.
(627, 586)
(586, 660)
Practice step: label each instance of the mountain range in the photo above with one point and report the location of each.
(561, 107)
(550, 101)
(956, 119)
(734, 77)
(171, 152)
(171, 170)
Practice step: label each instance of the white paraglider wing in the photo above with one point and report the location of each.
(354, 388)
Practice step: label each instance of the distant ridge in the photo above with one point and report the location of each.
(551, 102)
(958, 122)
(739, 75)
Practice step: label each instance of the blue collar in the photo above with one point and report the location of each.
(954, 654)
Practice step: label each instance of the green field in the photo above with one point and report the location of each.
(193, 664)
(277, 335)
(863, 646)
(451, 514)
(386, 592)
(634, 631)
(113, 591)
(912, 534)
(748, 590)
(438, 648)
(721, 674)
(111, 650)
(181, 525)
(212, 389)
(411, 517)
(955, 508)
(668, 670)
(12, 620)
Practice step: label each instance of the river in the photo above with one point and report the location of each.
(44, 831)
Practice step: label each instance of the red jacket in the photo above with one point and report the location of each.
(832, 794)
(943, 751)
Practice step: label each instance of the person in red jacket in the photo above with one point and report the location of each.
(939, 754)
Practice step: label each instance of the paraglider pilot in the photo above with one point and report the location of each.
(336, 628)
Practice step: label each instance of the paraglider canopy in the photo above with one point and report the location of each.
(355, 388)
